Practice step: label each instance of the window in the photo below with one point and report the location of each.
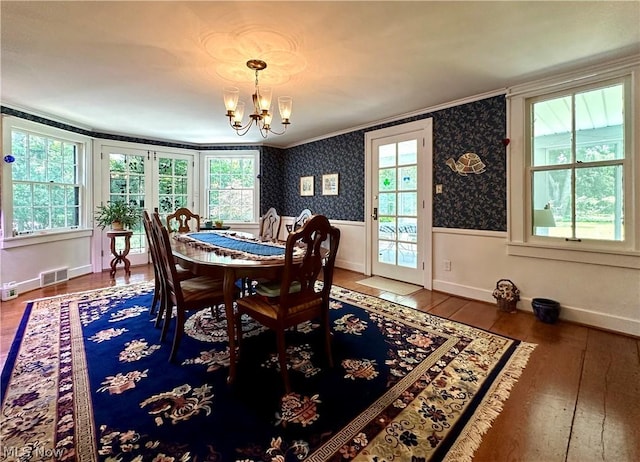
(573, 172)
(577, 163)
(45, 183)
(231, 186)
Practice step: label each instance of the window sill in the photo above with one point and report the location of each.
(593, 257)
(44, 237)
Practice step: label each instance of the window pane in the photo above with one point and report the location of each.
(552, 132)
(600, 152)
(232, 188)
(552, 203)
(600, 124)
(599, 203)
(58, 217)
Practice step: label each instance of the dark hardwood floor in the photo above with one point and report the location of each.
(577, 400)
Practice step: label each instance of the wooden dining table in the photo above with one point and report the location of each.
(205, 261)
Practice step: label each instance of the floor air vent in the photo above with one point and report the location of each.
(48, 278)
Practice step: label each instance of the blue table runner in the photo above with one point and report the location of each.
(238, 244)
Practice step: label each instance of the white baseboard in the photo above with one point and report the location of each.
(568, 313)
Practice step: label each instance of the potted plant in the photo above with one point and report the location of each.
(219, 222)
(117, 214)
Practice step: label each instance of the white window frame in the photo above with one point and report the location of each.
(11, 123)
(521, 241)
(207, 156)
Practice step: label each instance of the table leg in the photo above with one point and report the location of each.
(125, 252)
(114, 261)
(229, 290)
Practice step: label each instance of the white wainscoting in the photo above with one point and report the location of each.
(605, 297)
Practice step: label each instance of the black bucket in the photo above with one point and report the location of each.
(546, 310)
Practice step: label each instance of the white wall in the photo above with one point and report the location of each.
(23, 263)
(603, 296)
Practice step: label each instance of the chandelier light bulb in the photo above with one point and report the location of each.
(285, 104)
(266, 120)
(264, 99)
(238, 115)
(230, 96)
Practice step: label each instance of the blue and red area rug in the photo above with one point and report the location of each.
(87, 379)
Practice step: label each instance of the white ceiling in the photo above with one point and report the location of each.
(156, 69)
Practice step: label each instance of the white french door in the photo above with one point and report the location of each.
(399, 202)
(148, 179)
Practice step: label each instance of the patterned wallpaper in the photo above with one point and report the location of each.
(467, 202)
(343, 155)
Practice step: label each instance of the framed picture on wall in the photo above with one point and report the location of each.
(306, 185)
(330, 184)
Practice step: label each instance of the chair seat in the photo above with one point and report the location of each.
(269, 308)
(200, 288)
(184, 273)
(272, 288)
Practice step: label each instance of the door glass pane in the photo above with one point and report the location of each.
(407, 229)
(408, 152)
(387, 252)
(387, 156)
(387, 228)
(407, 204)
(387, 204)
(387, 179)
(407, 255)
(173, 191)
(408, 177)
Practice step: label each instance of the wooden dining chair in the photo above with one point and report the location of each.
(185, 295)
(296, 298)
(300, 220)
(155, 261)
(270, 224)
(183, 217)
(159, 291)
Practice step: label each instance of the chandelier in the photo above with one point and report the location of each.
(260, 116)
